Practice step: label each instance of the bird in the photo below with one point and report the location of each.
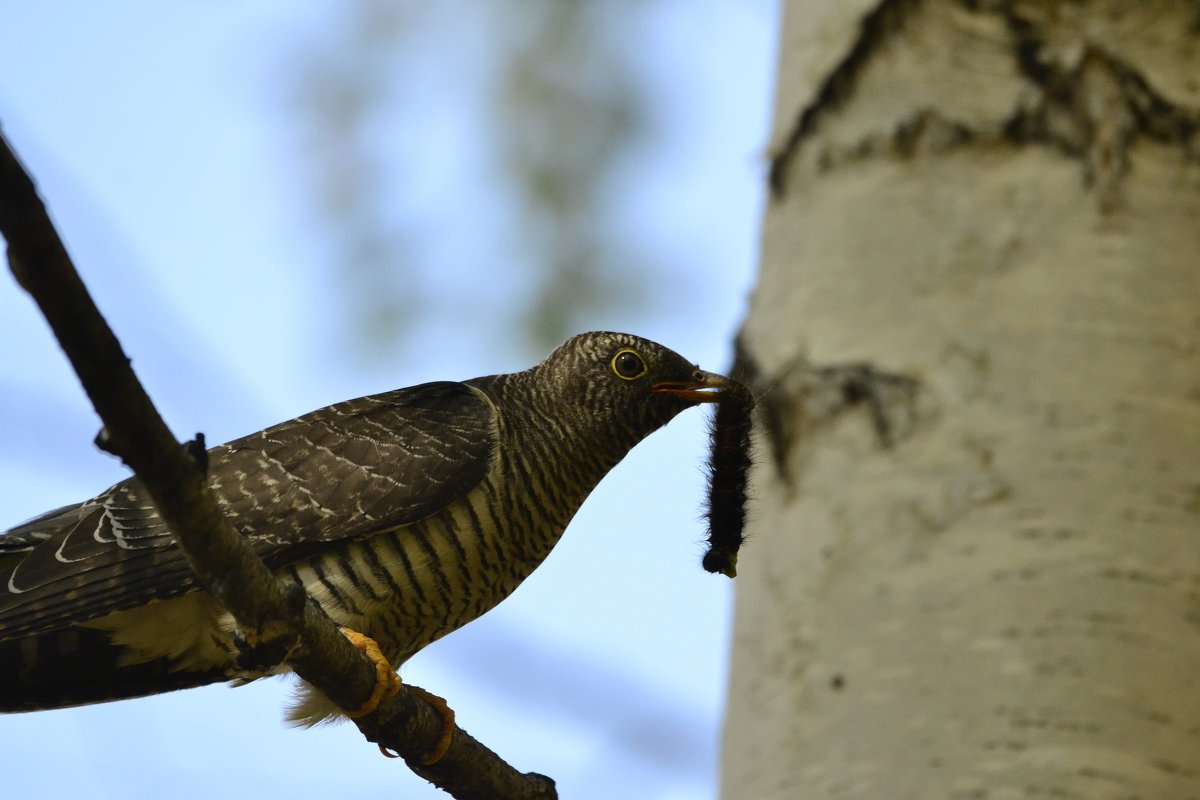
(402, 515)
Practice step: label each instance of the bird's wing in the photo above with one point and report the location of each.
(343, 472)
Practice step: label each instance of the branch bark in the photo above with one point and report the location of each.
(224, 564)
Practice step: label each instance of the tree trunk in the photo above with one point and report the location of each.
(974, 557)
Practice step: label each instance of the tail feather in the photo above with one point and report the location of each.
(78, 666)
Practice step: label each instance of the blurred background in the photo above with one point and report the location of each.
(281, 205)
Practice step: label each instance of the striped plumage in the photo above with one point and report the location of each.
(405, 515)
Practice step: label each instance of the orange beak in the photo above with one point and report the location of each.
(704, 387)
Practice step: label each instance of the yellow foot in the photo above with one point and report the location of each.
(444, 738)
(447, 734)
(387, 682)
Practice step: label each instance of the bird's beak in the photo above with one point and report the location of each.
(704, 387)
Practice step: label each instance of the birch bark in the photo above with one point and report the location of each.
(974, 563)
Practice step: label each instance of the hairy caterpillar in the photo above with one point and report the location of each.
(728, 470)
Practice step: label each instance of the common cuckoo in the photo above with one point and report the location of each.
(404, 515)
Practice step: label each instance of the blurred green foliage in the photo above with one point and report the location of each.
(509, 216)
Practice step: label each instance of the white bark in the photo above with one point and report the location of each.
(974, 567)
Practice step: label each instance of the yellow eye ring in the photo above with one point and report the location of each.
(628, 365)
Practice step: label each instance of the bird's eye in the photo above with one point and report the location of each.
(628, 365)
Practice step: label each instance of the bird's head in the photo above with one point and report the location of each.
(620, 381)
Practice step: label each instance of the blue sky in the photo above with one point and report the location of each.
(154, 131)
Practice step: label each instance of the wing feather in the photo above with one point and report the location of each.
(343, 472)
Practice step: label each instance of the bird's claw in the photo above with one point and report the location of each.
(387, 682)
(446, 737)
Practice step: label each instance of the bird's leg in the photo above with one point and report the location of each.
(256, 658)
(387, 683)
(259, 654)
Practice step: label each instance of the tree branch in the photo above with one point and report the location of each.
(224, 564)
